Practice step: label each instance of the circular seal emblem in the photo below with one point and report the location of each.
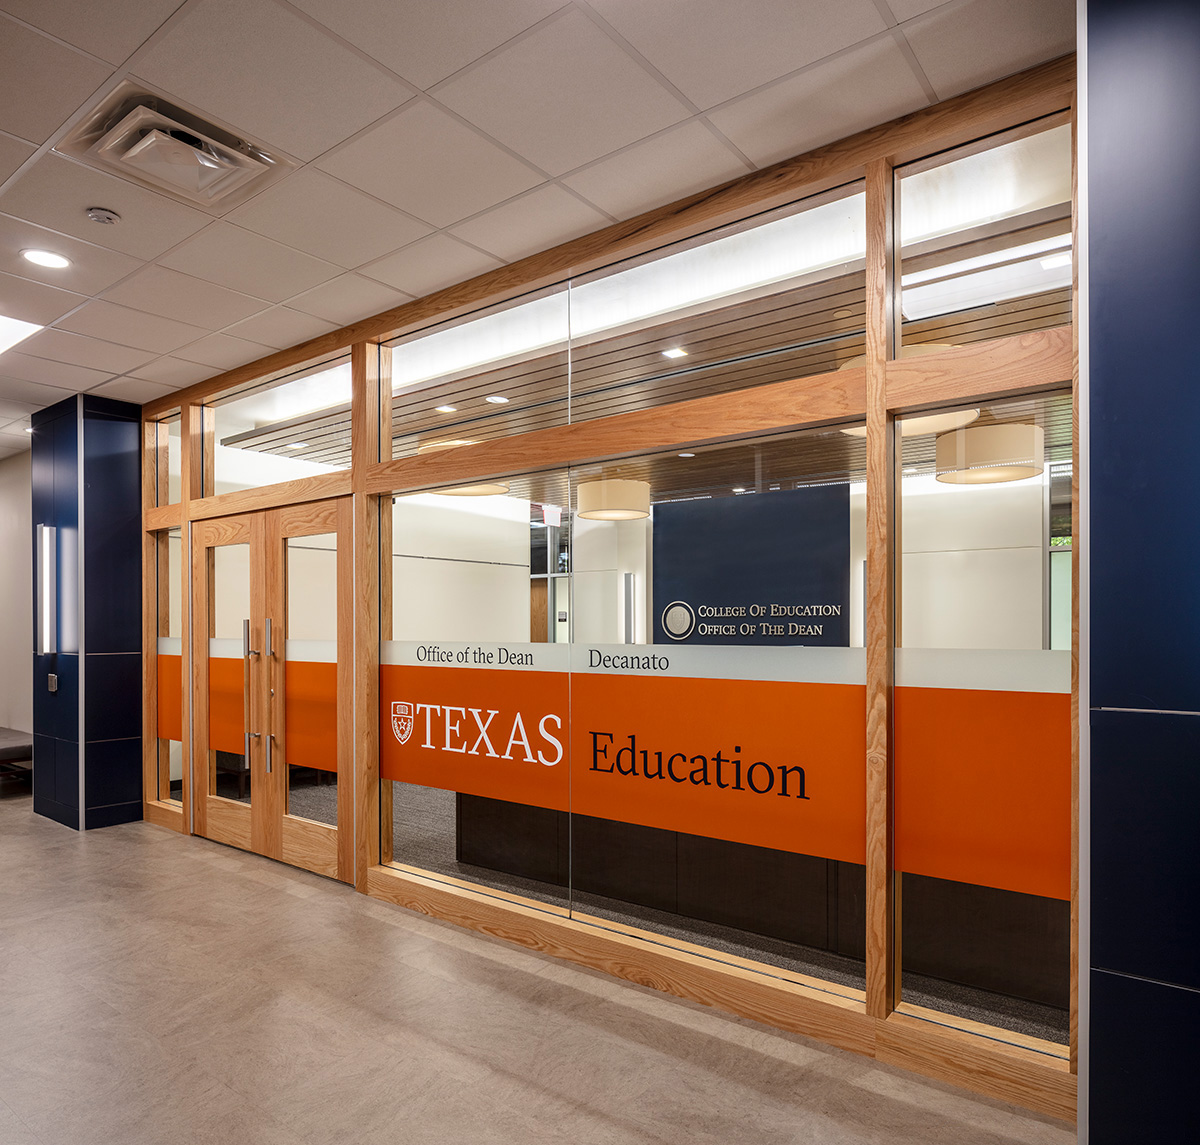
(678, 620)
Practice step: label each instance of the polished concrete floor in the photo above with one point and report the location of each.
(161, 989)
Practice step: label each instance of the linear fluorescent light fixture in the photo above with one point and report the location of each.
(47, 589)
(13, 330)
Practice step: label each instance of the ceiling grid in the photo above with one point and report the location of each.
(431, 142)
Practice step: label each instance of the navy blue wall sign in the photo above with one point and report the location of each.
(762, 568)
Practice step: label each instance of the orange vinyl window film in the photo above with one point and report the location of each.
(983, 788)
(791, 773)
(170, 697)
(476, 730)
(226, 705)
(310, 704)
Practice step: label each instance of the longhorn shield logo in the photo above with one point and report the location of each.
(402, 721)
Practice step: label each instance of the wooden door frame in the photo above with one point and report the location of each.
(265, 827)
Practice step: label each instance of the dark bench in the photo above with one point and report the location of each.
(16, 753)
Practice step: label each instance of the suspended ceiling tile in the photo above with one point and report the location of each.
(11, 411)
(12, 450)
(132, 390)
(173, 372)
(531, 223)
(316, 213)
(111, 30)
(280, 328)
(829, 101)
(41, 82)
(348, 299)
(92, 269)
(34, 301)
(31, 393)
(242, 260)
(429, 164)
(964, 46)
(426, 42)
(713, 50)
(13, 152)
(266, 71)
(679, 162)
(56, 193)
(223, 352)
(907, 9)
(60, 346)
(128, 327)
(169, 294)
(31, 369)
(430, 265)
(563, 95)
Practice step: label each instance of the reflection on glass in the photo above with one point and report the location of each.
(983, 826)
(778, 297)
(986, 240)
(170, 666)
(281, 429)
(228, 672)
(310, 678)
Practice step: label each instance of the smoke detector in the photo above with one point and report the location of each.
(145, 138)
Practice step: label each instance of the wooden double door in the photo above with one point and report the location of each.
(272, 684)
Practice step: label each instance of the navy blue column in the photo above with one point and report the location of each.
(1143, 138)
(87, 734)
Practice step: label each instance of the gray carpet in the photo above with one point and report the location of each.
(424, 835)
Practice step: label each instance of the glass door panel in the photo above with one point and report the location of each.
(266, 664)
(312, 730)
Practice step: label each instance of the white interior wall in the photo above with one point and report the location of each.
(16, 591)
(601, 553)
(460, 568)
(972, 564)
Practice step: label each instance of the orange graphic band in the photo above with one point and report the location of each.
(310, 706)
(226, 705)
(772, 764)
(983, 788)
(170, 697)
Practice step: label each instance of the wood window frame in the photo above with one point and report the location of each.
(967, 1054)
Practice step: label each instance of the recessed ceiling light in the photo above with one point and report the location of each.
(739, 489)
(46, 258)
(1055, 261)
(446, 409)
(297, 445)
(675, 353)
(29, 430)
(13, 330)
(687, 455)
(496, 399)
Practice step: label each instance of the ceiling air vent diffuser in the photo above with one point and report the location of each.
(151, 141)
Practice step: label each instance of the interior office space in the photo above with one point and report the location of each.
(678, 530)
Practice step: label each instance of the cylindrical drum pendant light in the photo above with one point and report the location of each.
(985, 454)
(615, 500)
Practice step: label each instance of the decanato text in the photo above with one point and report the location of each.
(728, 772)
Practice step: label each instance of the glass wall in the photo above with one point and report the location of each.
(279, 429)
(634, 691)
(169, 745)
(986, 240)
(473, 689)
(776, 297)
(983, 713)
(167, 459)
